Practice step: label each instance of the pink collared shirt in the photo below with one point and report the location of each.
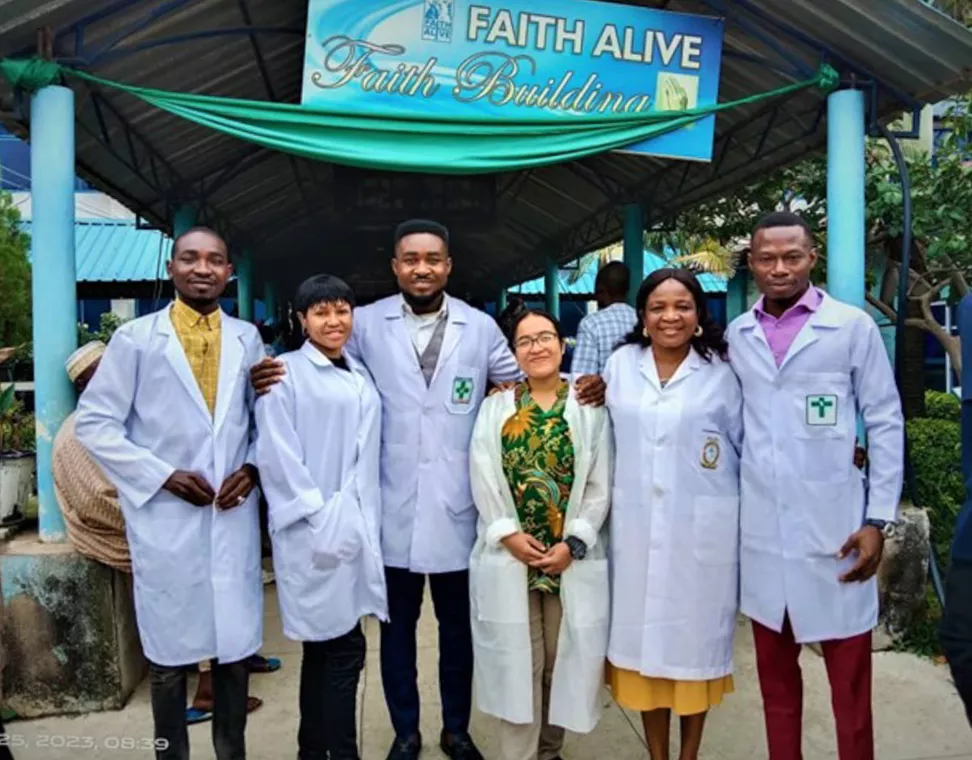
(780, 333)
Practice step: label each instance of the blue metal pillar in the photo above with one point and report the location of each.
(244, 286)
(634, 246)
(53, 284)
(183, 220)
(845, 196)
(270, 302)
(551, 287)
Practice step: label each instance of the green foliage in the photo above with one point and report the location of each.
(922, 637)
(106, 328)
(17, 432)
(14, 276)
(937, 457)
(943, 406)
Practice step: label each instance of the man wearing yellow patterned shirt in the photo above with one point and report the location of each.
(168, 417)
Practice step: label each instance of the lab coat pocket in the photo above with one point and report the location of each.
(336, 532)
(824, 425)
(465, 390)
(586, 596)
(499, 586)
(716, 523)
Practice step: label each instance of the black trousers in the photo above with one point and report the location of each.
(956, 629)
(230, 686)
(450, 595)
(329, 675)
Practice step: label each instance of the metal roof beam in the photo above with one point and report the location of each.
(265, 75)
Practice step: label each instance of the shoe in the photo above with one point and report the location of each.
(405, 748)
(459, 747)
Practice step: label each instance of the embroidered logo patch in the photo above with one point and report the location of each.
(462, 390)
(822, 410)
(711, 452)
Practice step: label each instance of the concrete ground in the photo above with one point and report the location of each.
(917, 714)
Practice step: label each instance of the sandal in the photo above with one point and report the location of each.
(196, 715)
(260, 664)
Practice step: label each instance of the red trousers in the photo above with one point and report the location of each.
(781, 681)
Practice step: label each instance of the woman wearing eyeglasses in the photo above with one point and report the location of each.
(538, 572)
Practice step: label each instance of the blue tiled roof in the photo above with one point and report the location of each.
(110, 251)
(583, 284)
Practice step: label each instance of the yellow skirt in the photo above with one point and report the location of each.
(643, 693)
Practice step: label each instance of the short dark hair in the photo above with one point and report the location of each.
(520, 316)
(783, 219)
(421, 226)
(322, 288)
(712, 340)
(191, 231)
(614, 278)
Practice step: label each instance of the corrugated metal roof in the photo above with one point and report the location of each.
(108, 251)
(284, 207)
(573, 283)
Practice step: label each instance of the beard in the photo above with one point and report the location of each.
(419, 304)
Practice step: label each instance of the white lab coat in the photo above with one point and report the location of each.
(674, 515)
(499, 598)
(198, 590)
(802, 496)
(428, 517)
(318, 448)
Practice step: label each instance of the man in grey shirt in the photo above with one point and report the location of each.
(598, 334)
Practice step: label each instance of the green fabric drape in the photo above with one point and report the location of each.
(455, 144)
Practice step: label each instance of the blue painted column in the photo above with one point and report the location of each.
(634, 246)
(845, 196)
(53, 284)
(962, 538)
(551, 287)
(270, 301)
(244, 286)
(183, 220)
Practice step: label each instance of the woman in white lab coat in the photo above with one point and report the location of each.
(539, 466)
(676, 411)
(318, 454)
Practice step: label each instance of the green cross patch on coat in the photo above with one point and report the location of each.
(462, 390)
(822, 409)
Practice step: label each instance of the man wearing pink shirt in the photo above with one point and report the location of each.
(811, 527)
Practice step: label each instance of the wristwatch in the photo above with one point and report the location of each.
(578, 549)
(887, 528)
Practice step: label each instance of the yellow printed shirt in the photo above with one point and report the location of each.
(200, 336)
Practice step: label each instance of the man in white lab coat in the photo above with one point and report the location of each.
(812, 526)
(168, 417)
(431, 357)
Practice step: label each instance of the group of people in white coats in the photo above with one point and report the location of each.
(618, 545)
(605, 530)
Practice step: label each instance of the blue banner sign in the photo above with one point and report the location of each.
(558, 57)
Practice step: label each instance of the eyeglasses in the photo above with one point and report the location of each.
(544, 339)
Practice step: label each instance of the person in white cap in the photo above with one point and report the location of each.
(88, 500)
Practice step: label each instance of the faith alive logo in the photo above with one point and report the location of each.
(437, 20)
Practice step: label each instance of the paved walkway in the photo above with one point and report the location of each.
(917, 715)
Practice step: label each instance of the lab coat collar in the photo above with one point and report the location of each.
(650, 370)
(318, 359)
(176, 356)
(828, 316)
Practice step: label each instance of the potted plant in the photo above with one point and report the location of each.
(17, 457)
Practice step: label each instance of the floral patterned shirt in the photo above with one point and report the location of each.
(538, 461)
